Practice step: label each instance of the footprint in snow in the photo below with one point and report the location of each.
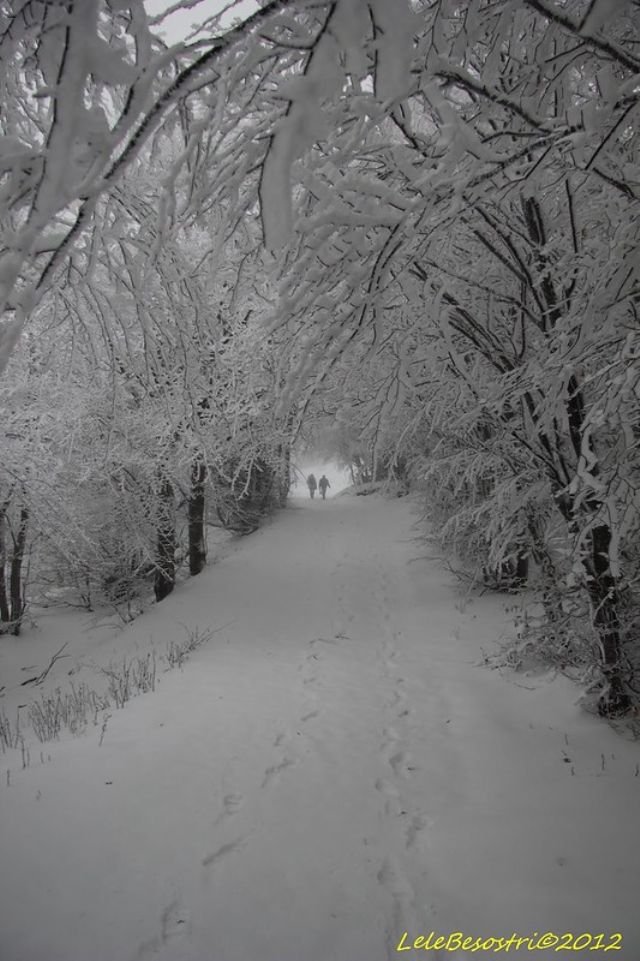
(392, 877)
(272, 772)
(385, 787)
(391, 796)
(148, 949)
(174, 921)
(232, 803)
(415, 829)
(403, 912)
(390, 736)
(398, 762)
(221, 852)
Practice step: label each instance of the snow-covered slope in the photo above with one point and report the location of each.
(333, 769)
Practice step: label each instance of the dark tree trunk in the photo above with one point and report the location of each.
(603, 595)
(602, 590)
(165, 577)
(509, 575)
(5, 615)
(522, 569)
(600, 581)
(596, 556)
(519, 571)
(15, 575)
(197, 549)
(284, 453)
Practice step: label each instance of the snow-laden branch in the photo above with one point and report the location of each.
(108, 86)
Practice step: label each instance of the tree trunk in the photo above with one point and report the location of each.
(165, 577)
(601, 583)
(522, 569)
(15, 575)
(603, 595)
(604, 601)
(515, 573)
(5, 615)
(284, 452)
(596, 556)
(197, 549)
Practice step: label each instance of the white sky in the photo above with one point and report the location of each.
(180, 24)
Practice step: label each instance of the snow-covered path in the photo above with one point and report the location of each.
(333, 769)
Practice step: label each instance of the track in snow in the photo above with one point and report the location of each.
(330, 772)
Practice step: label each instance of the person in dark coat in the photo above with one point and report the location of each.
(311, 484)
(324, 483)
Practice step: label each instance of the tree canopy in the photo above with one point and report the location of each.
(408, 230)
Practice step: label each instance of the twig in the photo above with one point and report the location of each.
(39, 678)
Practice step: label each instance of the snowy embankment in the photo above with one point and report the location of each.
(333, 769)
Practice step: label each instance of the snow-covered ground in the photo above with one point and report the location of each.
(333, 769)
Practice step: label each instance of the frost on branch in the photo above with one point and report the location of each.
(84, 89)
(395, 25)
(340, 54)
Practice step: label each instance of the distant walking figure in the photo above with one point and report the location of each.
(311, 484)
(324, 483)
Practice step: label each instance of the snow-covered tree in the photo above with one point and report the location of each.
(493, 178)
(449, 194)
